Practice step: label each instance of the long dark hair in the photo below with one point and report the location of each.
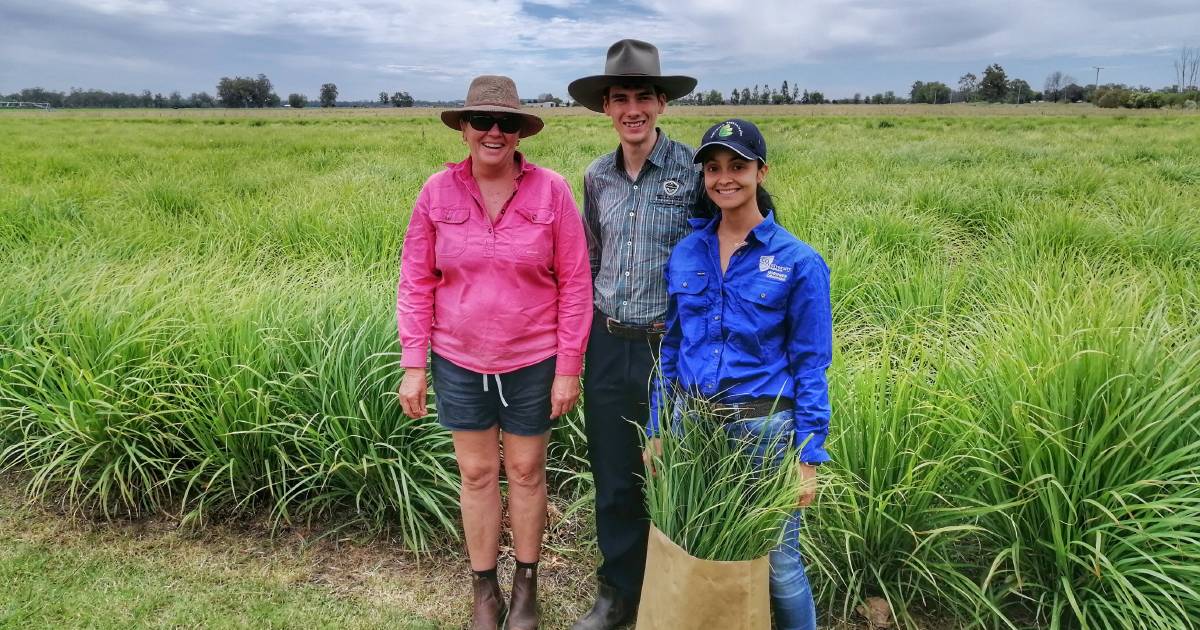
(706, 209)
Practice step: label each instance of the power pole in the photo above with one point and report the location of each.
(1098, 69)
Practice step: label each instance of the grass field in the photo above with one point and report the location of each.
(196, 318)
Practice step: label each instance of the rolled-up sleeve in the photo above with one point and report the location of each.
(810, 351)
(418, 281)
(663, 383)
(591, 225)
(574, 276)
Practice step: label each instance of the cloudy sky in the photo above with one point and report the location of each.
(431, 48)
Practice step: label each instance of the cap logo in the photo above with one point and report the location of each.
(671, 187)
(725, 131)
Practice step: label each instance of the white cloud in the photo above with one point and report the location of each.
(546, 42)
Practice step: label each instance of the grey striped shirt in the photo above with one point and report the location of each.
(631, 227)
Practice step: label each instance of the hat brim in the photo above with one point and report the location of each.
(533, 124)
(736, 148)
(589, 91)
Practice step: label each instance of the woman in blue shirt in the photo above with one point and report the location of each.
(749, 327)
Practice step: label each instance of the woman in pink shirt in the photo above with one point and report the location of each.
(494, 276)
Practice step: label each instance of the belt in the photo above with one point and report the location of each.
(755, 408)
(651, 332)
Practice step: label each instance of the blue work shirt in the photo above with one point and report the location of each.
(762, 329)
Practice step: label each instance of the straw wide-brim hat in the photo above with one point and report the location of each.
(629, 61)
(493, 93)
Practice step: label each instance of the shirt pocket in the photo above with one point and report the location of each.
(765, 295)
(452, 230)
(671, 221)
(689, 291)
(532, 236)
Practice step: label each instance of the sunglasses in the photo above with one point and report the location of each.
(484, 122)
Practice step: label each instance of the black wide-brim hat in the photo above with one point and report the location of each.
(629, 61)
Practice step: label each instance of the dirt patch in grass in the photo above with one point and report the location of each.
(348, 564)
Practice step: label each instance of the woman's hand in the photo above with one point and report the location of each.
(653, 449)
(808, 484)
(412, 393)
(564, 394)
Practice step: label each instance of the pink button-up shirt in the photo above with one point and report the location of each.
(494, 298)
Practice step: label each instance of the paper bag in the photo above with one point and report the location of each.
(682, 592)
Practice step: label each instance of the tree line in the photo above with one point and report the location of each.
(232, 92)
(993, 86)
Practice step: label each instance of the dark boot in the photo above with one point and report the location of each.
(489, 603)
(523, 606)
(611, 611)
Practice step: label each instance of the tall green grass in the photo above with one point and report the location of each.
(196, 318)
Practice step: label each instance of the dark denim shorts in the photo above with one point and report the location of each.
(469, 401)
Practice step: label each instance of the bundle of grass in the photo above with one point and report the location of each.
(718, 501)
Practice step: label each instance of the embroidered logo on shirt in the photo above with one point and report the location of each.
(775, 272)
(671, 187)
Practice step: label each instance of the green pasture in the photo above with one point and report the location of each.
(197, 317)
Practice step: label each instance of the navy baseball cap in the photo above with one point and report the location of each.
(741, 136)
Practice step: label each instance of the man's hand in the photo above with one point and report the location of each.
(808, 484)
(412, 393)
(653, 449)
(564, 394)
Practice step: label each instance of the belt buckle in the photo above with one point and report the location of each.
(729, 412)
(608, 324)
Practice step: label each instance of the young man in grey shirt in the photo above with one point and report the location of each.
(637, 201)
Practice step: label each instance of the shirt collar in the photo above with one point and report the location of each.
(657, 157)
(462, 170)
(763, 232)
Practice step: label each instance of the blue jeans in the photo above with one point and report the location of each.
(792, 606)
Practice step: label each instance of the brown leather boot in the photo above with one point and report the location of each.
(523, 606)
(489, 603)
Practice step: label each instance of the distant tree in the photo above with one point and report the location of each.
(795, 93)
(1073, 93)
(247, 92)
(329, 93)
(201, 99)
(967, 86)
(746, 98)
(384, 98)
(916, 93)
(297, 101)
(713, 97)
(858, 98)
(1055, 82)
(160, 101)
(1019, 91)
(804, 98)
(933, 92)
(1187, 67)
(994, 85)
(175, 100)
(734, 96)
(754, 95)
(402, 99)
(787, 93)
(816, 98)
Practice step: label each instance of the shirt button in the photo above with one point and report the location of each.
(762, 295)
(627, 273)
(625, 303)
(635, 186)
(716, 318)
(716, 351)
(630, 214)
(685, 284)
(629, 242)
